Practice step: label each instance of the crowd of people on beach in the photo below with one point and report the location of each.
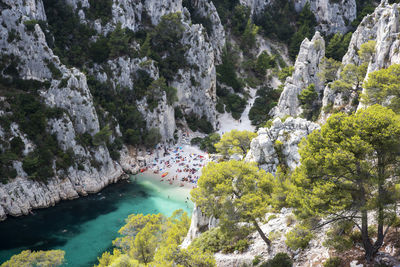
(177, 165)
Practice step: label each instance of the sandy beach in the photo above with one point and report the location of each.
(177, 166)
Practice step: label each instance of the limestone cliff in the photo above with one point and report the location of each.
(305, 73)
(381, 26)
(331, 16)
(278, 145)
(26, 51)
(37, 62)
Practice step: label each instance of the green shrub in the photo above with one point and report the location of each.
(285, 72)
(267, 98)
(211, 240)
(56, 73)
(339, 236)
(256, 260)
(102, 136)
(299, 237)
(226, 72)
(308, 101)
(216, 239)
(207, 143)
(263, 63)
(196, 123)
(17, 146)
(153, 137)
(279, 260)
(100, 9)
(333, 262)
(30, 24)
(337, 46)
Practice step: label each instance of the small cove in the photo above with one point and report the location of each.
(85, 227)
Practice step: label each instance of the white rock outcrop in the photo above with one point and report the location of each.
(206, 9)
(331, 16)
(279, 143)
(382, 26)
(277, 226)
(34, 56)
(305, 73)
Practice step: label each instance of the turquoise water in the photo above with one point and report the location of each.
(85, 227)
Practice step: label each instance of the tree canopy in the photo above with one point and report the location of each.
(348, 170)
(27, 258)
(383, 87)
(235, 142)
(154, 240)
(234, 191)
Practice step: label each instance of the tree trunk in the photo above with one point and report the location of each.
(369, 249)
(381, 215)
(263, 236)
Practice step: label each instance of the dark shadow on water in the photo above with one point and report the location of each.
(51, 227)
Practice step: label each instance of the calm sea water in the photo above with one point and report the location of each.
(85, 227)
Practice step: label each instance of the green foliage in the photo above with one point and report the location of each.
(267, 98)
(305, 23)
(153, 137)
(226, 9)
(333, 262)
(277, 20)
(367, 50)
(233, 103)
(279, 260)
(299, 237)
(102, 136)
(308, 101)
(71, 40)
(337, 46)
(256, 260)
(207, 143)
(30, 24)
(339, 236)
(249, 35)
(153, 240)
(364, 8)
(56, 73)
(349, 149)
(328, 69)
(351, 78)
(240, 20)
(225, 240)
(197, 123)
(165, 45)
(285, 72)
(263, 63)
(100, 9)
(197, 17)
(250, 186)
(383, 85)
(235, 142)
(155, 91)
(118, 42)
(133, 126)
(17, 146)
(226, 72)
(49, 258)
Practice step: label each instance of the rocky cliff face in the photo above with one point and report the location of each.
(278, 145)
(331, 16)
(37, 62)
(305, 73)
(23, 40)
(381, 26)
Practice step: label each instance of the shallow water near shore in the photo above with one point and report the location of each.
(85, 227)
